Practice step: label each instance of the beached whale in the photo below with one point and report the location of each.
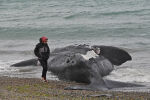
(80, 63)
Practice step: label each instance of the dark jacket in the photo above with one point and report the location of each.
(42, 51)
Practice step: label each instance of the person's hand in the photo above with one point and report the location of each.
(39, 58)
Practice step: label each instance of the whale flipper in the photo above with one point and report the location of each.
(96, 84)
(116, 84)
(26, 63)
(115, 55)
(103, 85)
(85, 87)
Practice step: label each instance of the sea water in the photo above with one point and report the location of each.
(121, 23)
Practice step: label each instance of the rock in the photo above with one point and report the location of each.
(100, 95)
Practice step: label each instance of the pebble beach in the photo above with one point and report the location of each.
(35, 89)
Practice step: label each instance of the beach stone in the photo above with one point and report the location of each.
(100, 95)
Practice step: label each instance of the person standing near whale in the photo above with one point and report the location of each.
(42, 51)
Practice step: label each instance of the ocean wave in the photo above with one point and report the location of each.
(12, 52)
(97, 14)
(129, 75)
(124, 12)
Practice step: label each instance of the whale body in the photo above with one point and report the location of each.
(80, 64)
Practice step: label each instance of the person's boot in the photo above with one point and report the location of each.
(44, 79)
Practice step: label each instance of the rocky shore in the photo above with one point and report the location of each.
(35, 89)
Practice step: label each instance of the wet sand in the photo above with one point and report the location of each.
(35, 89)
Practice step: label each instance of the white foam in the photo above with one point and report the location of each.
(130, 75)
(89, 54)
(22, 72)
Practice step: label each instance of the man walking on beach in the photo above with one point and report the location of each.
(42, 51)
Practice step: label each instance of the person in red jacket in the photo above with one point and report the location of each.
(42, 51)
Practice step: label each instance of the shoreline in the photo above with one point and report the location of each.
(12, 88)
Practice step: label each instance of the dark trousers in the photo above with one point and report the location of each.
(44, 65)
